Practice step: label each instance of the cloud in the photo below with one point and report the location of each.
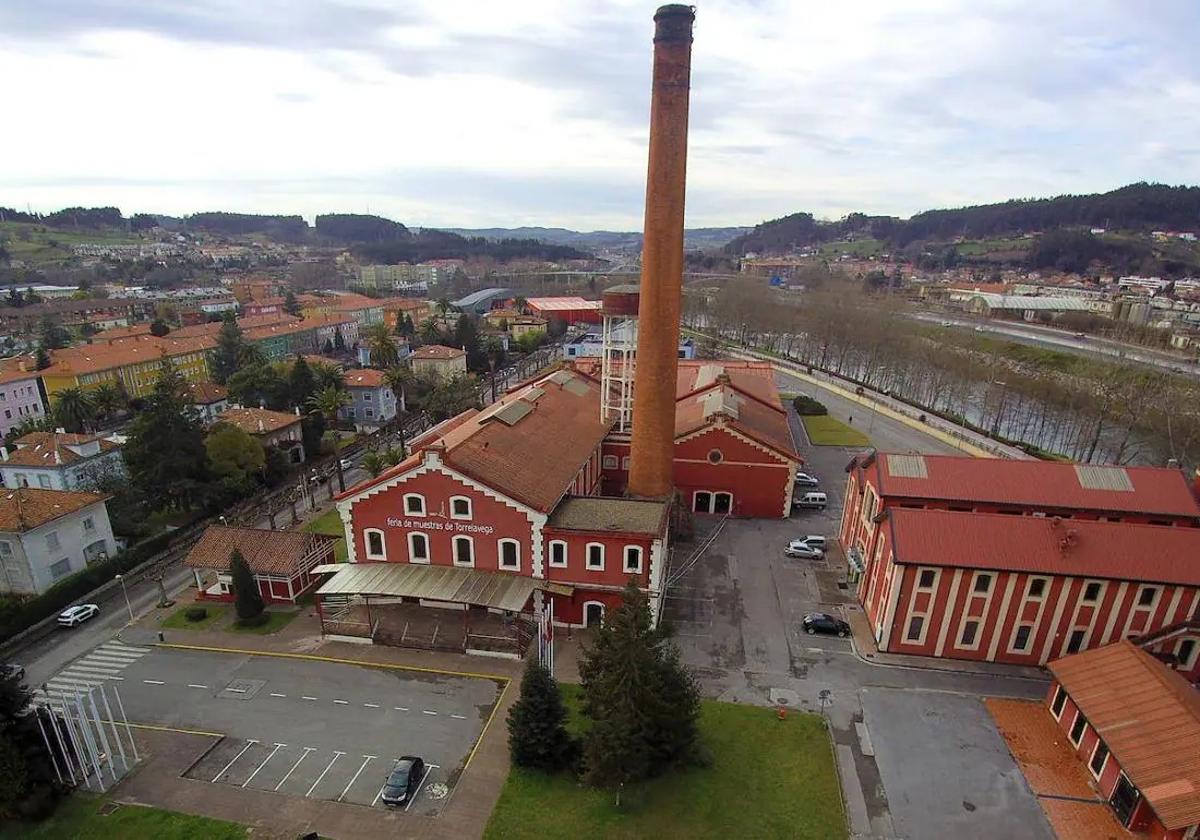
(536, 112)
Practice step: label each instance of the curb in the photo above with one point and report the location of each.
(865, 661)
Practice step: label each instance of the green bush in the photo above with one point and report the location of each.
(806, 405)
(255, 620)
(196, 614)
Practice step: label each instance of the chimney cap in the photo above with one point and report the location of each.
(673, 24)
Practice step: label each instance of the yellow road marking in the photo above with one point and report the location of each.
(486, 726)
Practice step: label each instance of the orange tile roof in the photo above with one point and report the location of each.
(206, 393)
(26, 508)
(94, 358)
(437, 352)
(364, 378)
(52, 449)
(266, 552)
(1148, 716)
(353, 303)
(257, 421)
(744, 394)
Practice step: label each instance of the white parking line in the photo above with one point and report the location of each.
(337, 754)
(249, 743)
(306, 697)
(342, 702)
(196, 685)
(427, 712)
(371, 705)
(276, 694)
(376, 799)
(236, 690)
(265, 760)
(307, 750)
(153, 682)
(408, 805)
(400, 708)
(459, 717)
(366, 760)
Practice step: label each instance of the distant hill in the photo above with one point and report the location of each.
(611, 240)
(1138, 208)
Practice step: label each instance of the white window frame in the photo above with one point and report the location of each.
(44, 481)
(5, 548)
(1012, 645)
(500, 554)
(920, 573)
(1153, 605)
(367, 534)
(1083, 599)
(553, 544)
(1092, 757)
(412, 554)
(454, 543)
(1063, 692)
(56, 576)
(53, 543)
(626, 463)
(625, 559)
(1191, 660)
(696, 499)
(587, 557)
(610, 462)
(470, 507)
(1029, 596)
(89, 524)
(974, 643)
(420, 499)
(991, 579)
(920, 640)
(1082, 732)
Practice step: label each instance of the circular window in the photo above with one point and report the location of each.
(715, 456)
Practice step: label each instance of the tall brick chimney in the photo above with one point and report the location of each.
(652, 447)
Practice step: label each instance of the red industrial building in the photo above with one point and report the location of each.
(1022, 589)
(1178, 646)
(282, 562)
(570, 310)
(1135, 725)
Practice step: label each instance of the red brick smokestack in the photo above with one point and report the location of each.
(653, 443)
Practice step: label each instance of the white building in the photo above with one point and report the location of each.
(59, 461)
(46, 535)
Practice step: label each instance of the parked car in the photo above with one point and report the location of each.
(805, 552)
(815, 501)
(826, 623)
(346, 463)
(12, 671)
(806, 479)
(77, 614)
(812, 541)
(403, 781)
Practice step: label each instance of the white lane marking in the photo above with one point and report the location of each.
(342, 702)
(371, 705)
(236, 690)
(153, 682)
(249, 743)
(354, 778)
(400, 708)
(264, 762)
(196, 685)
(427, 712)
(336, 755)
(307, 750)
(306, 697)
(459, 717)
(277, 694)
(408, 805)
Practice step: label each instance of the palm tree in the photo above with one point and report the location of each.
(74, 409)
(107, 399)
(443, 306)
(383, 349)
(429, 332)
(328, 376)
(328, 402)
(373, 463)
(400, 379)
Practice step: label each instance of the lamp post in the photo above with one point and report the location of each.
(125, 592)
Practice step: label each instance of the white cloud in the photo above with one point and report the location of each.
(536, 112)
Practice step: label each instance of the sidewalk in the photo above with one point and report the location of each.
(866, 650)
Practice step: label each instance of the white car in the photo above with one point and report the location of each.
(805, 552)
(806, 479)
(77, 614)
(347, 464)
(812, 541)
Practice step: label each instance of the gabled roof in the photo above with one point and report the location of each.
(1148, 716)
(529, 446)
(207, 393)
(267, 552)
(26, 508)
(437, 351)
(54, 449)
(1039, 484)
(364, 378)
(257, 421)
(1046, 545)
(743, 394)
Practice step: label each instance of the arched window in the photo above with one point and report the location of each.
(418, 548)
(464, 551)
(376, 549)
(633, 559)
(558, 553)
(414, 504)
(460, 507)
(595, 557)
(510, 555)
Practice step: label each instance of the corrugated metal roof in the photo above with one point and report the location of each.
(1148, 716)
(435, 583)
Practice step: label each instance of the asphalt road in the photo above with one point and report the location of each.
(337, 727)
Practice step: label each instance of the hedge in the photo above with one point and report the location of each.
(806, 405)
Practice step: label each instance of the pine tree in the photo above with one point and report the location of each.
(290, 304)
(42, 360)
(301, 382)
(537, 738)
(165, 452)
(248, 602)
(231, 348)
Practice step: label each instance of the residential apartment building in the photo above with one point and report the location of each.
(373, 402)
(209, 399)
(20, 398)
(270, 428)
(60, 461)
(439, 360)
(47, 535)
(134, 364)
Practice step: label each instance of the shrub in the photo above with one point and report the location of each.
(196, 614)
(806, 405)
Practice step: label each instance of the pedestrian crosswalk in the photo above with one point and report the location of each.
(105, 663)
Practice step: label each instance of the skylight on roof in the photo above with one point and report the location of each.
(1104, 478)
(907, 466)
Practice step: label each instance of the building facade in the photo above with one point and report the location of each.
(372, 401)
(60, 461)
(270, 428)
(438, 360)
(20, 399)
(48, 535)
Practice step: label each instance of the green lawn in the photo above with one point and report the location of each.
(824, 430)
(177, 621)
(277, 621)
(769, 778)
(331, 523)
(79, 818)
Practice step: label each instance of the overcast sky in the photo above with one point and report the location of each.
(524, 112)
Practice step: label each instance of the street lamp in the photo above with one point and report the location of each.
(125, 592)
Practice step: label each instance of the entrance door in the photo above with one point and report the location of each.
(702, 502)
(722, 502)
(593, 614)
(1124, 799)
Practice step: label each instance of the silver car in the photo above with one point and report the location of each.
(805, 552)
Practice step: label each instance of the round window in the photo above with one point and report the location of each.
(715, 456)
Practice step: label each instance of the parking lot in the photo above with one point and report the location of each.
(312, 729)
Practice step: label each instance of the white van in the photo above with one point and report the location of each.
(811, 500)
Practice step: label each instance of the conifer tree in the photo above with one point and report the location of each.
(537, 738)
(248, 602)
